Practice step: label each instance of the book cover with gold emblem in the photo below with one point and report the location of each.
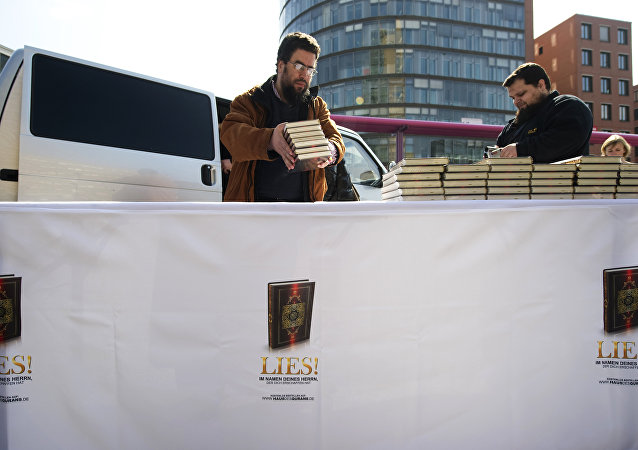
(289, 312)
(620, 290)
(10, 322)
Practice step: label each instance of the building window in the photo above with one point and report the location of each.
(540, 50)
(585, 31)
(605, 111)
(623, 62)
(3, 60)
(604, 33)
(605, 85)
(623, 113)
(623, 87)
(587, 83)
(622, 36)
(605, 59)
(590, 105)
(585, 57)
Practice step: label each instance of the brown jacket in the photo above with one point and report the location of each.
(247, 140)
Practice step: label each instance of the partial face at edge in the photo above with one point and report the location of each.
(616, 149)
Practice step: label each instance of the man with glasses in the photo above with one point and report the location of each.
(253, 131)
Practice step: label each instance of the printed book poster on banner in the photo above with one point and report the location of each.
(291, 370)
(617, 353)
(15, 369)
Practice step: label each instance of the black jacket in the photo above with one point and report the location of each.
(340, 187)
(559, 130)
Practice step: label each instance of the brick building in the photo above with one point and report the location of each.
(590, 57)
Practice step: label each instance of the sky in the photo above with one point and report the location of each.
(224, 47)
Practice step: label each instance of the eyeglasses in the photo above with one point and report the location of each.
(304, 68)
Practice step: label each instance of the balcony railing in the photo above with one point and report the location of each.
(401, 127)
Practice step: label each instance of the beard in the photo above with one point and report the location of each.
(290, 93)
(524, 114)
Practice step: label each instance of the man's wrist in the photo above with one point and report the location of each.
(333, 152)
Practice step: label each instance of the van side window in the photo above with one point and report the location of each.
(80, 103)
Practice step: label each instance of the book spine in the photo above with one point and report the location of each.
(606, 321)
(271, 293)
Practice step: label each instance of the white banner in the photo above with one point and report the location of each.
(435, 325)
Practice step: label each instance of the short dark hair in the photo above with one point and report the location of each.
(531, 73)
(295, 41)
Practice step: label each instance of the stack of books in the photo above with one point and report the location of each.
(627, 181)
(553, 181)
(306, 139)
(597, 176)
(465, 181)
(508, 178)
(414, 179)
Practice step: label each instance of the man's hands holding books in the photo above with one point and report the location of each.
(318, 163)
(309, 155)
(509, 151)
(493, 151)
(278, 143)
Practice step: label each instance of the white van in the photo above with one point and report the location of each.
(73, 130)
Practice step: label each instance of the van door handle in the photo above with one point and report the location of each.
(8, 175)
(208, 175)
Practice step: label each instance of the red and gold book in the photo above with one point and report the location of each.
(10, 323)
(289, 312)
(620, 310)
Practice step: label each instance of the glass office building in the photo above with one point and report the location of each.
(442, 60)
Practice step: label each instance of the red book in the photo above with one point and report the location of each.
(620, 310)
(10, 323)
(289, 312)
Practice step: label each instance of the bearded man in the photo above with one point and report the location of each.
(548, 126)
(253, 131)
